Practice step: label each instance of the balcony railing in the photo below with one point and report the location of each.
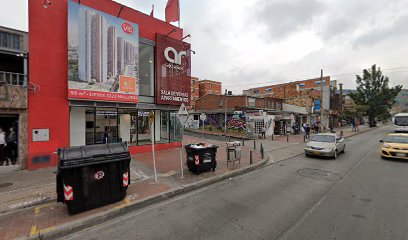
(16, 79)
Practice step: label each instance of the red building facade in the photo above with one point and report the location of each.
(59, 118)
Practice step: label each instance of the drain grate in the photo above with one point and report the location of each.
(319, 174)
(7, 184)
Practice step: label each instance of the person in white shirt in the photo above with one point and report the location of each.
(2, 146)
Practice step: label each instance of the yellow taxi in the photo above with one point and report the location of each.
(395, 145)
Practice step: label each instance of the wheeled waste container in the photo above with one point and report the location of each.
(201, 157)
(92, 176)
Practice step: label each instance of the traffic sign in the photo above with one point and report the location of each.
(203, 117)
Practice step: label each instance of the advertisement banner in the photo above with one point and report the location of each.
(173, 67)
(316, 105)
(103, 56)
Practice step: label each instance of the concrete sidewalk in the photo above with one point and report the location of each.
(29, 208)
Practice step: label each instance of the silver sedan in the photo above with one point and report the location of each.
(325, 144)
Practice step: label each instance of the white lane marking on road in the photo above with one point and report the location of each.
(285, 234)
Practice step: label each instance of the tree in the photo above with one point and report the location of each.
(374, 97)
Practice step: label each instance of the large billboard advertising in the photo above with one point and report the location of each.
(103, 56)
(173, 68)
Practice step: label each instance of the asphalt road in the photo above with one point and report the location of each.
(356, 196)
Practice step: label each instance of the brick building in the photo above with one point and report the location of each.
(209, 87)
(195, 92)
(200, 88)
(214, 102)
(291, 89)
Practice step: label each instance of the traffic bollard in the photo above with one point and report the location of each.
(250, 157)
(287, 138)
(262, 151)
(272, 137)
(243, 142)
(254, 144)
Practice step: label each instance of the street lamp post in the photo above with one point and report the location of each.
(321, 101)
(225, 116)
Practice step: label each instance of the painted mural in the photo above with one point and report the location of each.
(217, 121)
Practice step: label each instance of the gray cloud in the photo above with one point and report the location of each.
(398, 28)
(284, 17)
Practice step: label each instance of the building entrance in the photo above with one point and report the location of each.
(8, 140)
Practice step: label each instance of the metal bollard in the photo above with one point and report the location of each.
(272, 137)
(243, 142)
(254, 144)
(287, 137)
(262, 151)
(250, 157)
(304, 138)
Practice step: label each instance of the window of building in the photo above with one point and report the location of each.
(10, 40)
(318, 83)
(146, 70)
(251, 102)
(221, 102)
(268, 90)
(271, 104)
(256, 91)
(278, 106)
(301, 85)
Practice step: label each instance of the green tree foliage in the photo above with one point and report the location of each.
(374, 97)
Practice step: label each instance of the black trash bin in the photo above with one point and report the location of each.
(92, 176)
(201, 157)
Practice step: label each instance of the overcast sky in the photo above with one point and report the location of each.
(244, 43)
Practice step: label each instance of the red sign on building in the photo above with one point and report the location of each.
(173, 68)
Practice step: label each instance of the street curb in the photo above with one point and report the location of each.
(98, 218)
(218, 135)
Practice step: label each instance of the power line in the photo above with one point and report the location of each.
(335, 75)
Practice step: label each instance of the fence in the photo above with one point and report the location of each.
(16, 79)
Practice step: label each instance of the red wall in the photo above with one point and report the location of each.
(48, 68)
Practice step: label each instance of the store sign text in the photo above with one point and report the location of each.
(166, 95)
(177, 56)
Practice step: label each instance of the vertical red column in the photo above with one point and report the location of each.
(48, 106)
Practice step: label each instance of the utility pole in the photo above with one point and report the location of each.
(321, 101)
(225, 116)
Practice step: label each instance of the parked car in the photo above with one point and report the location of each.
(395, 145)
(325, 144)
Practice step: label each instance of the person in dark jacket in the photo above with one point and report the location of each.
(2, 147)
(106, 137)
(11, 148)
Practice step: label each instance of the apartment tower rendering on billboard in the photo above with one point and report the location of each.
(104, 55)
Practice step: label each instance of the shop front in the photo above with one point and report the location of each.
(117, 68)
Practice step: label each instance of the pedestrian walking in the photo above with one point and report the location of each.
(307, 132)
(353, 125)
(11, 148)
(263, 132)
(2, 146)
(106, 137)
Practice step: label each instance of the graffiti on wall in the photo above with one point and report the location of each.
(237, 124)
(217, 120)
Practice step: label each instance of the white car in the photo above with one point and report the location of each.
(325, 144)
